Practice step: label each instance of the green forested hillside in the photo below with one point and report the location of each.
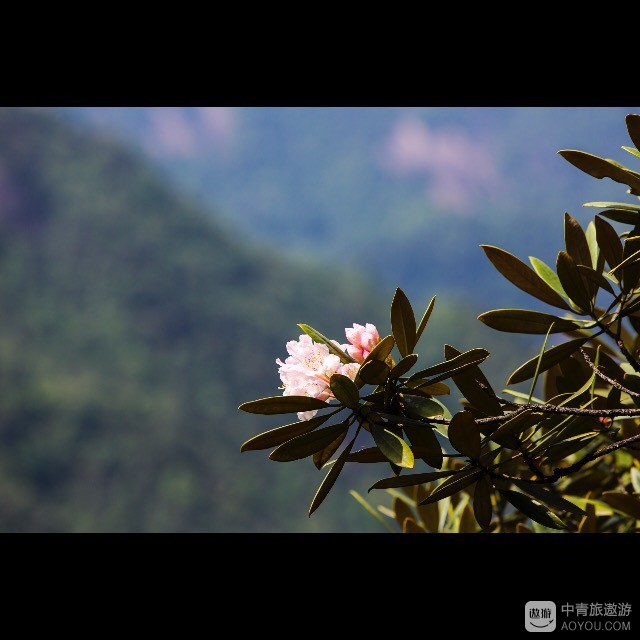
(131, 327)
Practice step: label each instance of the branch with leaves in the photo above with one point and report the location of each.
(567, 461)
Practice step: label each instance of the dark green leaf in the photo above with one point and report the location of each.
(435, 389)
(469, 358)
(423, 439)
(551, 357)
(576, 241)
(406, 364)
(633, 127)
(403, 323)
(597, 278)
(602, 168)
(453, 485)
(374, 372)
(425, 319)
(381, 351)
(467, 523)
(549, 498)
(320, 458)
(410, 480)
(418, 407)
(344, 390)
(507, 433)
(621, 215)
(631, 272)
(464, 435)
(623, 502)
(429, 513)
(572, 281)
(534, 510)
(276, 437)
(522, 321)
(394, 448)
(370, 455)
(316, 336)
(282, 404)
(402, 511)
(482, 509)
(330, 478)
(519, 274)
(308, 443)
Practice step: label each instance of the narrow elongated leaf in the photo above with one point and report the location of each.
(550, 498)
(482, 509)
(371, 455)
(418, 407)
(464, 434)
(548, 275)
(316, 336)
(522, 321)
(430, 513)
(381, 351)
(576, 241)
(275, 437)
(596, 278)
(635, 479)
(403, 323)
(537, 371)
(621, 215)
(467, 522)
(424, 440)
(425, 319)
(307, 444)
(623, 502)
(370, 510)
(320, 458)
(469, 358)
(533, 509)
(589, 523)
(405, 365)
(282, 404)
(330, 479)
(506, 435)
(453, 485)
(602, 168)
(519, 274)
(633, 127)
(474, 386)
(592, 241)
(344, 390)
(609, 242)
(374, 372)
(435, 389)
(622, 206)
(410, 480)
(631, 272)
(572, 281)
(394, 448)
(633, 151)
(551, 357)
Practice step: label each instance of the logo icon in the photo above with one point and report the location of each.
(540, 616)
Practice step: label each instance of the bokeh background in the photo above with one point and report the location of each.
(155, 260)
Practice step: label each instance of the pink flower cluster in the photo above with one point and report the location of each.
(310, 365)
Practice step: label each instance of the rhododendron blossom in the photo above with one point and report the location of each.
(308, 369)
(362, 339)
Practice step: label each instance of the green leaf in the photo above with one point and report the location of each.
(275, 437)
(406, 364)
(550, 498)
(633, 127)
(519, 274)
(631, 253)
(576, 241)
(482, 509)
(410, 480)
(330, 478)
(381, 351)
(344, 390)
(592, 241)
(506, 435)
(624, 502)
(283, 404)
(622, 206)
(374, 372)
(572, 281)
(307, 444)
(469, 358)
(395, 449)
(522, 321)
(403, 323)
(316, 336)
(320, 458)
(619, 215)
(553, 356)
(537, 371)
(633, 151)
(597, 278)
(464, 434)
(628, 260)
(424, 440)
(417, 407)
(602, 168)
(453, 485)
(533, 509)
(434, 389)
(635, 479)
(548, 275)
(371, 510)
(425, 319)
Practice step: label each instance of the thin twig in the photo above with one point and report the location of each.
(611, 381)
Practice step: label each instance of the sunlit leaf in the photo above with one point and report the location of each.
(403, 323)
(425, 319)
(592, 242)
(316, 336)
(548, 275)
(393, 447)
(635, 479)
(519, 274)
(344, 390)
(622, 206)
(308, 443)
(522, 321)
(275, 437)
(533, 509)
(464, 434)
(282, 404)
(633, 151)
(371, 510)
(330, 479)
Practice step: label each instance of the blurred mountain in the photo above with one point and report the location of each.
(132, 325)
(406, 194)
